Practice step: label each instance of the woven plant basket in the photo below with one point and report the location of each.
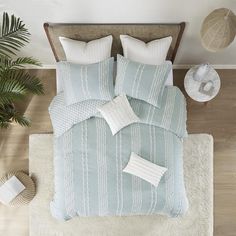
(218, 29)
(27, 194)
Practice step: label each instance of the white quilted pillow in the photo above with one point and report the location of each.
(144, 169)
(118, 113)
(152, 53)
(87, 53)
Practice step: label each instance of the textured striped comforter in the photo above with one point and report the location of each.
(88, 160)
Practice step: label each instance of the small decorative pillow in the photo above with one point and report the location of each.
(152, 53)
(141, 81)
(83, 82)
(87, 53)
(144, 169)
(118, 113)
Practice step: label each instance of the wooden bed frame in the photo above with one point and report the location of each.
(87, 32)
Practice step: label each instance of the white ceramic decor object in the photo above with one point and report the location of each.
(201, 71)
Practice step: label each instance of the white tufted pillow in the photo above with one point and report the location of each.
(87, 53)
(152, 53)
(144, 169)
(118, 113)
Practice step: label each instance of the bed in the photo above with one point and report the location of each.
(89, 160)
(124, 220)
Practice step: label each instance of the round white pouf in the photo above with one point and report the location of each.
(27, 194)
(192, 86)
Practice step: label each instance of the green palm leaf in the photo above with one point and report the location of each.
(30, 83)
(21, 61)
(4, 124)
(13, 35)
(20, 119)
(10, 91)
(5, 115)
(15, 82)
(9, 114)
(7, 63)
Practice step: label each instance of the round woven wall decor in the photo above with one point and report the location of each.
(218, 29)
(27, 194)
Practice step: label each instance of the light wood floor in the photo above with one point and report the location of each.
(218, 118)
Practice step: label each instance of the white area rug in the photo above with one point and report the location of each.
(198, 167)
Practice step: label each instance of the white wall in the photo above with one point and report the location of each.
(36, 12)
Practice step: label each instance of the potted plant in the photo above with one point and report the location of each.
(15, 82)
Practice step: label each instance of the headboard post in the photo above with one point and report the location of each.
(87, 32)
(179, 37)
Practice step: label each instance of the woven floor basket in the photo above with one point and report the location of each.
(27, 194)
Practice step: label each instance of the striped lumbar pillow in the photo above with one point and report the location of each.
(84, 82)
(144, 169)
(141, 81)
(118, 113)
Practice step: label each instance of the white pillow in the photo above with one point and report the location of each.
(152, 53)
(144, 169)
(169, 80)
(118, 113)
(87, 53)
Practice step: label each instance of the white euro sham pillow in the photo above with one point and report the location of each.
(144, 169)
(118, 113)
(152, 53)
(87, 53)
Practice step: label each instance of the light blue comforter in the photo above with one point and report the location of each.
(88, 160)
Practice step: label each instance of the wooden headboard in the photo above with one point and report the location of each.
(87, 32)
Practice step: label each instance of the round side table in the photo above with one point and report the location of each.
(204, 89)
